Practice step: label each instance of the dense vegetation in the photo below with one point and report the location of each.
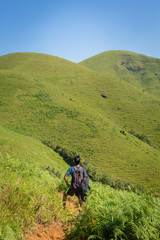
(111, 214)
(31, 176)
(52, 109)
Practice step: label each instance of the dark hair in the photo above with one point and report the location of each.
(77, 160)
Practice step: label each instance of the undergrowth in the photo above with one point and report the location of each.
(112, 214)
(143, 138)
(27, 195)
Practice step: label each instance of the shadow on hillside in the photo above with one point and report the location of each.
(67, 155)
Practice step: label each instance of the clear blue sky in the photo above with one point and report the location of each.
(78, 29)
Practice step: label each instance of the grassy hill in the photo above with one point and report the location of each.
(138, 69)
(68, 105)
(31, 175)
(48, 103)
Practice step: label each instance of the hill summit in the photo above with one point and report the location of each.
(138, 69)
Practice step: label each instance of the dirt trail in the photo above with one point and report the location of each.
(51, 232)
(54, 231)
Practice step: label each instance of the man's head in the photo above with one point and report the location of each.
(77, 160)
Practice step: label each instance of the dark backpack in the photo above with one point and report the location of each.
(84, 186)
(77, 177)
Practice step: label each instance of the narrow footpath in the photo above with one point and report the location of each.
(54, 231)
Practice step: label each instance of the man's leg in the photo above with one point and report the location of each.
(64, 200)
(80, 202)
(68, 192)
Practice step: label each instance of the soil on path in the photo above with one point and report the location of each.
(54, 231)
(51, 232)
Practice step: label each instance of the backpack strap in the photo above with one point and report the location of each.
(80, 169)
(85, 173)
(75, 168)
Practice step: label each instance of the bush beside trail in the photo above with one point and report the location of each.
(27, 195)
(116, 214)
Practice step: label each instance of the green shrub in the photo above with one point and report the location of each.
(143, 138)
(66, 154)
(112, 214)
(27, 194)
(7, 233)
(41, 95)
(97, 175)
(52, 171)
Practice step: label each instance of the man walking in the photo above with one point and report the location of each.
(78, 173)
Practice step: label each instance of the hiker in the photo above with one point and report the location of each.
(78, 174)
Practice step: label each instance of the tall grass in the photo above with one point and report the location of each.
(114, 214)
(31, 176)
(27, 195)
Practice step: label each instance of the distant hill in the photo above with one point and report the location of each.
(138, 69)
(70, 106)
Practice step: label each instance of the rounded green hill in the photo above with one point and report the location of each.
(69, 105)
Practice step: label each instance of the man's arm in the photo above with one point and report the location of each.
(65, 179)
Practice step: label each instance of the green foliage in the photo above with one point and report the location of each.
(27, 195)
(123, 132)
(67, 155)
(41, 95)
(97, 175)
(112, 214)
(54, 172)
(30, 175)
(6, 233)
(30, 178)
(142, 137)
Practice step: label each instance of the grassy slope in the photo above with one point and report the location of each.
(53, 99)
(135, 68)
(30, 151)
(30, 173)
(28, 196)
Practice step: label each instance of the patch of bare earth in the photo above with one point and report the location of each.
(54, 231)
(51, 232)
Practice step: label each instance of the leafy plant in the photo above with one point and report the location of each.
(67, 155)
(142, 137)
(27, 195)
(41, 95)
(112, 214)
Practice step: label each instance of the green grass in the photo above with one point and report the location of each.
(32, 174)
(52, 99)
(111, 214)
(138, 69)
(48, 104)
